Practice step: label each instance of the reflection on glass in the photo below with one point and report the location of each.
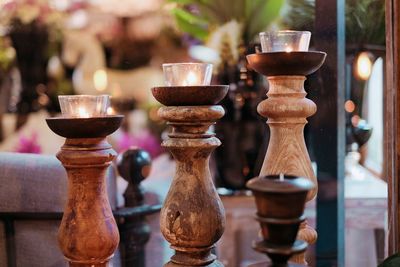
(84, 106)
(187, 74)
(285, 41)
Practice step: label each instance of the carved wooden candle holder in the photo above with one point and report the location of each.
(192, 218)
(287, 110)
(280, 207)
(88, 234)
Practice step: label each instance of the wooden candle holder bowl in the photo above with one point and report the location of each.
(190, 95)
(284, 63)
(95, 127)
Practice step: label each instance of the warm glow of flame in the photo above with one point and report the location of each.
(100, 80)
(281, 177)
(191, 79)
(110, 111)
(363, 66)
(288, 49)
(82, 112)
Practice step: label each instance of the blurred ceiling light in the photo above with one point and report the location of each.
(77, 20)
(349, 106)
(61, 5)
(363, 66)
(100, 80)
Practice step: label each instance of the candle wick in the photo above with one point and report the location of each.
(281, 177)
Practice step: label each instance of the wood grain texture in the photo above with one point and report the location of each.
(392, 123)
(192, 219)
(88, 234)
(287, 110)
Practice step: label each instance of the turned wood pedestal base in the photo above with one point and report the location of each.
(192, 219)
(88, 234)
(287, 110)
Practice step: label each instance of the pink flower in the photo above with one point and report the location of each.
(28, 144)
(145, 140)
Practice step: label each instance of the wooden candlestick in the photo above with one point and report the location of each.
(280, 207)
(287, 110)
(192, 218)
(88, 234)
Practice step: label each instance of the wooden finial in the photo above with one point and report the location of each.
(134, 166)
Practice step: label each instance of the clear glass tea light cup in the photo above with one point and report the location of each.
(285, 41)
(84, 106)
(187, 74)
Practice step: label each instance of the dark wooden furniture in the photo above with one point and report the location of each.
(134, 166)
(392, 122)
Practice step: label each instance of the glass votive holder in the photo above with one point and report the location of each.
(187, 74)
(84, 106)
(285, 41)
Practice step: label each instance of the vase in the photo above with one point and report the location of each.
(30, 42)
(242, 131)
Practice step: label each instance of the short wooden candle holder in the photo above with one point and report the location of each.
(280, 207)
(287, 110)
(88, 234)
(192, 218)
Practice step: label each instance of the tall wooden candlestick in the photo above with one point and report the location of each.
(192, 218)
(88, 234)
(287, 110)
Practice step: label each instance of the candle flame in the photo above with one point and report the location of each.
(289, 49)
(110, 111)
(82, 113)
(281, 177)
(191, 79)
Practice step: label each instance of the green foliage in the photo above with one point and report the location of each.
(199, 17)
(7, 55)
(365, 19)
(300, 15)
(365, 22)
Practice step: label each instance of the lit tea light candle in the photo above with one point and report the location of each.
(187, 74)
(84, 106)
(285, 41)
(83, 113)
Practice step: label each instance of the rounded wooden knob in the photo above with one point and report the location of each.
(134, 165)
